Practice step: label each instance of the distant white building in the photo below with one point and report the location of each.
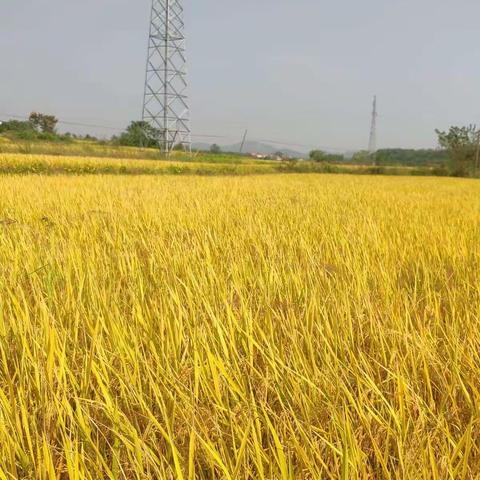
(259, 156)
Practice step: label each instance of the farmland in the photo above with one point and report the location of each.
(239, 327)
(177, 164)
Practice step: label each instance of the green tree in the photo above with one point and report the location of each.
(215, 149)
(362, 158)
(15, 126)
(318, 156)
(463, 146)
(139, 134)
(410, 157)
(43, 123)
(321, 156)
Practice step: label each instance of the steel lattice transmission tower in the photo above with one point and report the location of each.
(165, 104)
(372, 144)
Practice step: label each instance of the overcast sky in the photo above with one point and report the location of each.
(299, 71)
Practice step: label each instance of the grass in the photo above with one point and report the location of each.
(260, 327)
(96, 149)
(201, 164)
(55, 165)
(80, 157)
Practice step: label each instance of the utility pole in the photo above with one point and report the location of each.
(477, 153)
(372, 144)
(165, 103)
(243, 141)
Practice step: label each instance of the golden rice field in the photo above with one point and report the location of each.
(262, 327)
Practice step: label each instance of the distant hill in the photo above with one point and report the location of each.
(253, 147)
(204, 147)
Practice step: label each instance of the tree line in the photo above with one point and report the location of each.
(458, 153)
(39, 126)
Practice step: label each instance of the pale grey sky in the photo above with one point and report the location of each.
(299, 71)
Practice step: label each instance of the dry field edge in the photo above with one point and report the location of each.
(25, 164)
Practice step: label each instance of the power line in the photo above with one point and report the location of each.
(93, 125)
(65, 122)
(198, 135)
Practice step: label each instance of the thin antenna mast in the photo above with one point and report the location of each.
(165, 103)
(372, 144)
